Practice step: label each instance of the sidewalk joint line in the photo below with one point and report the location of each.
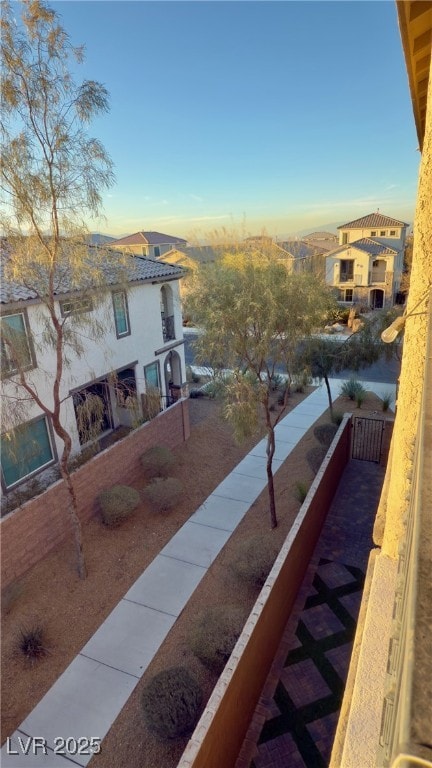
(110, 666)
(151, 607)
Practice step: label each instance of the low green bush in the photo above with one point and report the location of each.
(255, 558)
(325, 433)
(171, 703)
(157, 462)
(315, 457)
(214, 634)
(117, 504)
(163, 493)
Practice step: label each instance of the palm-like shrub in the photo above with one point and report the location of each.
(352, 389)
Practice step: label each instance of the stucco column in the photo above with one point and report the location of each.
(389, 522)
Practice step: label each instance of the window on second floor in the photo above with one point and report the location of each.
(121, 314)
(157, 251)
(344, 238)
(16, 349)
(382, 233)
(392, 233)
(373, 233)
(75, 306)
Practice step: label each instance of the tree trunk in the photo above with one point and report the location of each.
(76, 523)
(270, 482)
(73, 504)
(329, 395)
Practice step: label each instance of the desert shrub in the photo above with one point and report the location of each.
(157, 462)
(10, 596)
(315, 457)
(215, 388)
(163, 493)
(214, 634)
(117, 504)
(285, 393)
(325, 433)
(194, 393)
(255, 557)
(31, 643)
(171, 702)
(337, 418)
(360, 398)
(352, 388)
(300, 490)
(277, 382)
(300, 381)
(337, 316)
(387, 399)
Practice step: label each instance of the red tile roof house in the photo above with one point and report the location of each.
(366, 267)
(152, 244)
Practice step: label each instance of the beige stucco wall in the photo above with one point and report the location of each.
(389, 522)
(394, 241)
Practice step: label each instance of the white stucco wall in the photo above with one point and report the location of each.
(102, 354)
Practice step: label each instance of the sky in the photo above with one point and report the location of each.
(277, 116)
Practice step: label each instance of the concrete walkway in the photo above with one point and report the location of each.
(86, 699)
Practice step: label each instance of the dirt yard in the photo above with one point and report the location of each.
(70, 610)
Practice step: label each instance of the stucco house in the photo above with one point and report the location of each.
(132, 352)
(153, 244)
(367, 265)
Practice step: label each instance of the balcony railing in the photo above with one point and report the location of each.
(347, 277)
(377, 276)
(168, 330)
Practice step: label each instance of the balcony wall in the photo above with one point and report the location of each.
(219, 735)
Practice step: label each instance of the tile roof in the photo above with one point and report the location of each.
(149, 238)
(372, 246)
(320, 236)
(373, 220)
(368, 244)
(137, 270)
(299, 249)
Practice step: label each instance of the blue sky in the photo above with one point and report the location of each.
(282, 115)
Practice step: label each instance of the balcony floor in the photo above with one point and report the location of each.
(296, 717)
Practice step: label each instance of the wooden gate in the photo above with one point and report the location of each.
(367, 438)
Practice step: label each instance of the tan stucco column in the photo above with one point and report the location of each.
(389, 521)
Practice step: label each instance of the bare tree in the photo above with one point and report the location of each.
(253, 312)
(52, 175)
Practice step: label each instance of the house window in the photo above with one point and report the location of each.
(346, 295)
(152, 376)
(121, 314)
(344, 238)
(75, 306)
(25, 450)
(392, 233)
(16, 350)
(373, 234)
(157, 251)
(125, 386)
(382, 233)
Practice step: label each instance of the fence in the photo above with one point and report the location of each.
(31, 531)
